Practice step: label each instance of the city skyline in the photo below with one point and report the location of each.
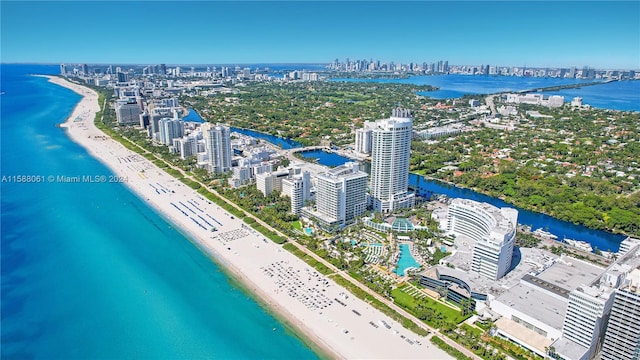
(565, 34)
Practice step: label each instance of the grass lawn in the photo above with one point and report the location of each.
(403, 299)
(296, 225)
(472, 330)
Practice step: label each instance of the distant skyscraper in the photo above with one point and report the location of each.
(217, 140)
(122, 77)
(63, 69)
(390, 152)
(85, 69)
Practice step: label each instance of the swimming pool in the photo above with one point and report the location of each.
(406, 260)
(309, 231)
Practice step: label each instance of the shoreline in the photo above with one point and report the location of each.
(286, 287)
(235, 274)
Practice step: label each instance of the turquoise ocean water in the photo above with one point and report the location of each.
(89, 271)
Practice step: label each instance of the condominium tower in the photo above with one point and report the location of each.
(217, 141)
(390, 151)
(298, 187)
(170, 129)
(364, 137)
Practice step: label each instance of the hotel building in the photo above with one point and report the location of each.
(390, 151)
(268, 182)
(128, 111)
(492, 230)
(340, 196)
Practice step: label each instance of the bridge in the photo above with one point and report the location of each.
(311, 148)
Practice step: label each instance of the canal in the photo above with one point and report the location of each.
(427, 187)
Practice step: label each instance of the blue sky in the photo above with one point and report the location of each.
(597, 34)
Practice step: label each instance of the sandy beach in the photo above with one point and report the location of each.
(338, 323)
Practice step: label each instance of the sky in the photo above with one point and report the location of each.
(507, 33)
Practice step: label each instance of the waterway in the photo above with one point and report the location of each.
(427, 187)
(622, 95)
(193, 116)
(563, 229)
(617, 95)
(325, 158)
(285, 144)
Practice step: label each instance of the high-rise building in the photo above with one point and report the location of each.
(268, 182)
(264, 183)
(85, 69)
(591, 306)
(122, 77)
(170, 129)
(584, 322)
(217, 140)
(622, 337)
(492, 230)
(390, 151)
(297, 187)
(341, 196)
(127, 112)
(186, 146)
(363, 138)
(63, 69)
(145, 119)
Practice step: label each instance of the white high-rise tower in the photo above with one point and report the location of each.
(217, 141)
(390, 151)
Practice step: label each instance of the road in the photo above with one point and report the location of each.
(490, 104)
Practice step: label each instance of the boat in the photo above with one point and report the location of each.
(545, 234)
(580, 245)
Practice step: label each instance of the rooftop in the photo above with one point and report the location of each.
(569, 273)
(523, 334)
(349, 170)
(568, 349)
(537, 304)
(503, 220)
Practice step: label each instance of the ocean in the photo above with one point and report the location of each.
(89, 271)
